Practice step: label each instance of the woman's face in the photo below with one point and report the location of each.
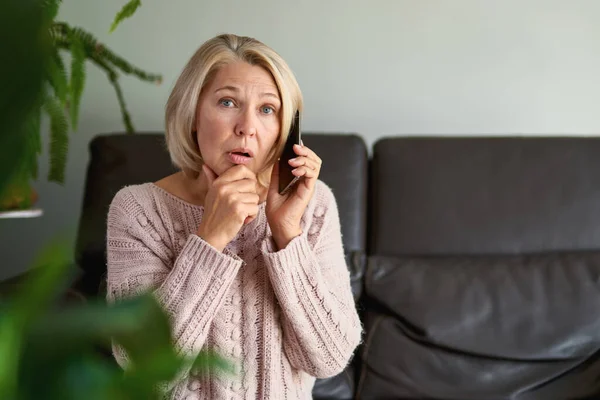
(237, 119)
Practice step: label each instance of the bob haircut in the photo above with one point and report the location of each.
(180, 111)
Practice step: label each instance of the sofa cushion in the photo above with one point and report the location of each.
(396, 365)
(484, 327)
(340, 386)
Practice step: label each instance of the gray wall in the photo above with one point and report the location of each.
(379, 68)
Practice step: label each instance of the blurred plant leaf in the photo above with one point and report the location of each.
(127, 11)
(34, 141)
(26, 43)
(59, 341)
(72, 336)
(77, 84)
(59, 139)
(30, 301)
(57, 77)
(50, 350)
(51, 7)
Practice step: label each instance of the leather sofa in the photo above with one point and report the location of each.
(475, 262)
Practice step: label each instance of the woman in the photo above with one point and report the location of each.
(258, 277)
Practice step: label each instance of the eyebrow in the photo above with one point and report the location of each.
(236, 90)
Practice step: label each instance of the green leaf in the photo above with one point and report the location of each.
(77, 77)
(139, 325)
(103, 58)
(57, 76)
(29, 302)
(51, 8)
(59, 33)
(59, 140)
(207, 360)
(114, 80)
(127, 11)
(127, 67)
(10, 345)
(25, 37)
(97, 50)
(34, 142)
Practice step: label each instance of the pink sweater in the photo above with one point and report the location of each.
(283, 317)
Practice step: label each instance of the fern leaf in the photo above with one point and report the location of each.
(77, 78)
(127, 11)
(88, 40)
(51, 8)
(65, 36)
(126, 67)
(94, 47)
(113, 77)
(59, 32)
(57, 76)
(59, 140)
(34, 142)
(125, 114)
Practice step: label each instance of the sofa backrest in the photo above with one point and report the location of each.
(485, 195)
(117, 160)
(483, 277)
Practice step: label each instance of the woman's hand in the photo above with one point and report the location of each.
(284, 213)
(231, 202)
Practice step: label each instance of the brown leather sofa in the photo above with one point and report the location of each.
(475, 262)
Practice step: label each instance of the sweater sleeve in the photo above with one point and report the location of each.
(321, 327)
(190, 288)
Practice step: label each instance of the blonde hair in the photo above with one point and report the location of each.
(182, 104)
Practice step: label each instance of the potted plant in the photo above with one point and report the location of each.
(49, 339)
(60, 99)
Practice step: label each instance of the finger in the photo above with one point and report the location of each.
(209, 173)
(305, 172)
(250, 211)
(300, 161)
(310, 176)
(242, 186)
(306, 152)
(247, 198)
(237, 173)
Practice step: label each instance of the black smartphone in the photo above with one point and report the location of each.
(286, 178)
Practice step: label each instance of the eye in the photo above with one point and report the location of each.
(267, 109)
(226, 102)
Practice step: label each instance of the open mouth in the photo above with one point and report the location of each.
(240, 157)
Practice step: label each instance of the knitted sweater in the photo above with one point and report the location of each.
(284, 317)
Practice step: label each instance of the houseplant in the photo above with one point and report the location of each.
(49, 347)
(60, 95)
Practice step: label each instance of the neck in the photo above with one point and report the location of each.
(195, 189)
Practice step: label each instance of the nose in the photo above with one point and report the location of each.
(246, 124)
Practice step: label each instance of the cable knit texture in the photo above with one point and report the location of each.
(283, 317)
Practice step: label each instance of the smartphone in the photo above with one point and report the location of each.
(286, 178)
